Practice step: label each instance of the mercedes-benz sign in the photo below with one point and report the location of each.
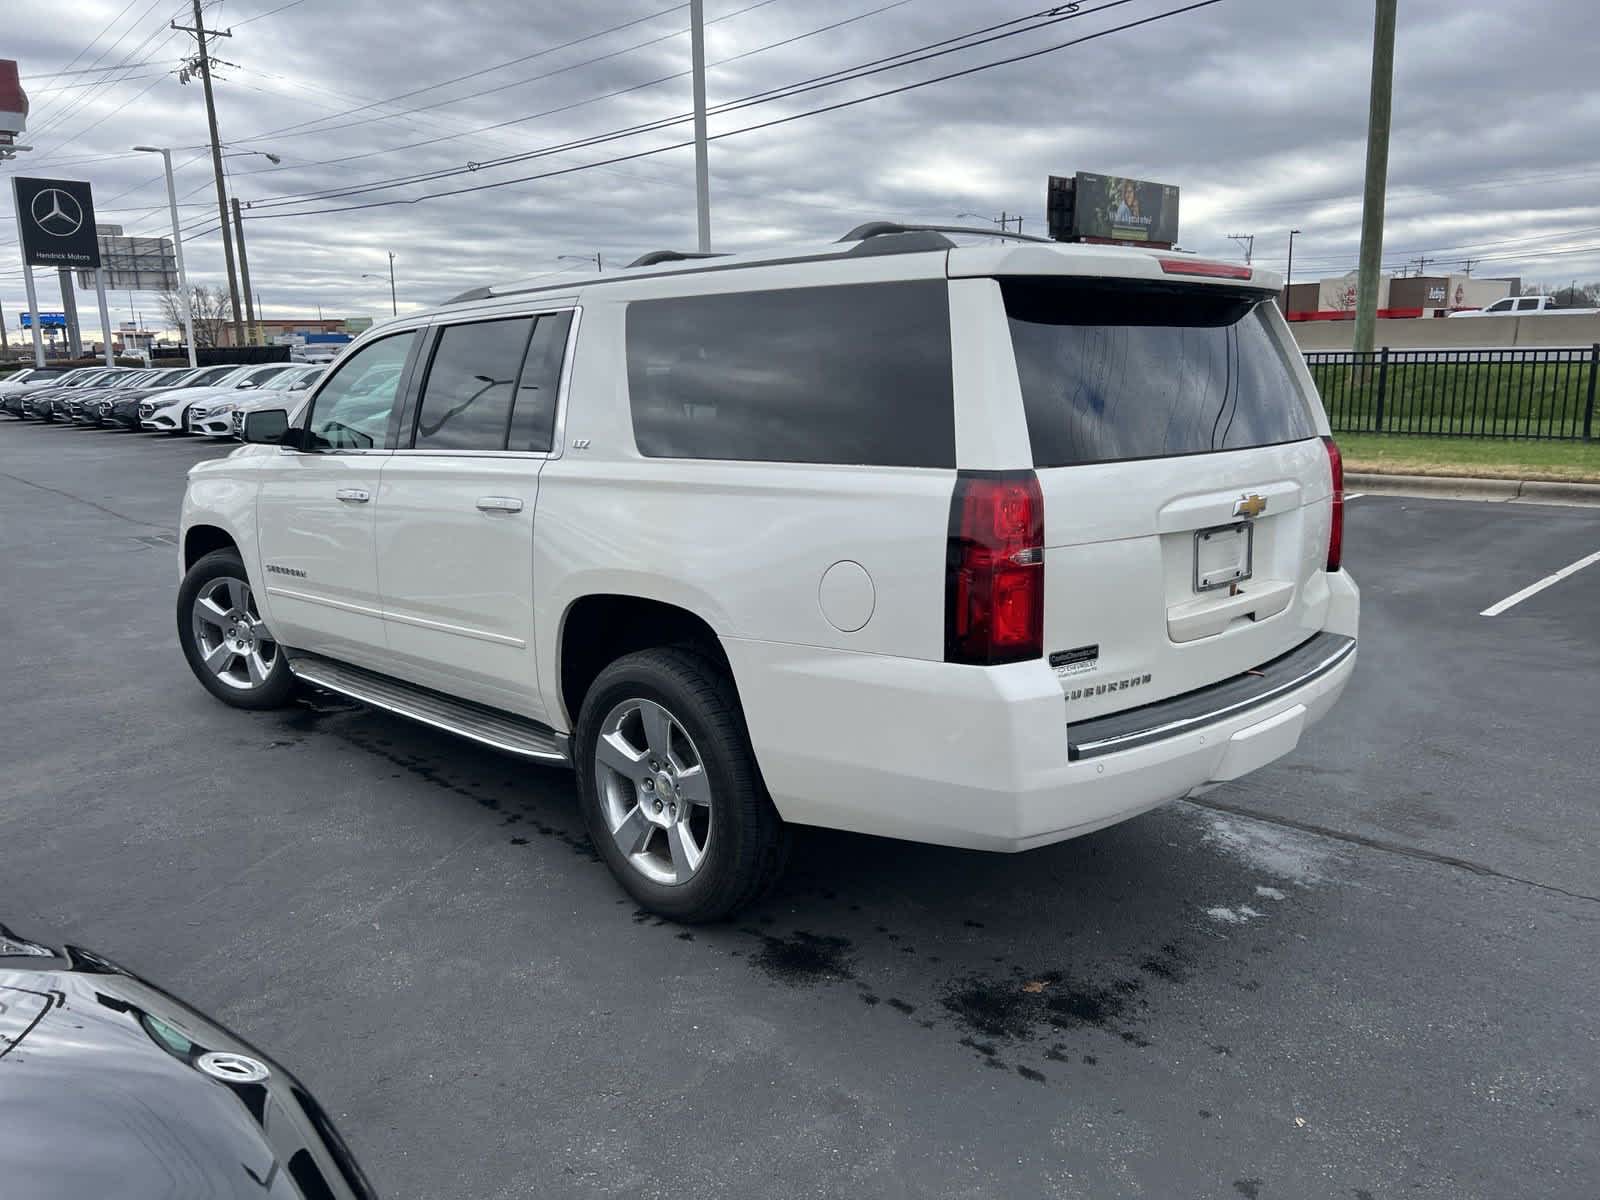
(55, 218)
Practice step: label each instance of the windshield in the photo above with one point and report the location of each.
(1110, 373)
(209, 376)
(290, 381)
(260, 375)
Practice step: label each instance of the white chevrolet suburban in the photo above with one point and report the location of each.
(987, 545)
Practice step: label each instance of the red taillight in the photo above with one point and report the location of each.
(994, 574)
(1211, 270)
(1336, 530)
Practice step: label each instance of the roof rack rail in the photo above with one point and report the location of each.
(666, 256)
(874, 229)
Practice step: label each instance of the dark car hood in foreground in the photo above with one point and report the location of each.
(106, 1089)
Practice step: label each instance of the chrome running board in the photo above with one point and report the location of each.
(490, 726)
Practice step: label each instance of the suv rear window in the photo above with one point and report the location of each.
(1120, 372)
(848, 374)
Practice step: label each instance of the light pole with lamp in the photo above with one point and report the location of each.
(594, 258)
(1288, 273)
(177, 250)
(1003, 220)
(394, 305)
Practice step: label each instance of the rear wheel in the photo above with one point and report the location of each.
(669, 787)
(230, 649)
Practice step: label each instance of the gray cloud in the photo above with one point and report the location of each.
(1257, 108)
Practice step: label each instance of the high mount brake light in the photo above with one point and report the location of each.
(1336, 529)
(994, 573)
(1211, 270)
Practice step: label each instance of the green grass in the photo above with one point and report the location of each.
(1487, 399)
(1494, 458)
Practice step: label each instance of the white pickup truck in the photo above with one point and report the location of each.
(1524, 306)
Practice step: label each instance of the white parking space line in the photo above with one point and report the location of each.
(1533, 589)
(1355, 495)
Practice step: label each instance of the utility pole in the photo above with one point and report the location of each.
(1468, 263)
(1377, 181)
(204, 62)
(394, 305)
(702, 167)
(1422, 263)
(1248, 241)
(244, 272)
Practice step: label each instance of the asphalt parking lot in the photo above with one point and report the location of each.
(1367, 971)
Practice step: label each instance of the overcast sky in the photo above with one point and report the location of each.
(1255, 108)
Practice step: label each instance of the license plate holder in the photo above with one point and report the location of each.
(1223, 555)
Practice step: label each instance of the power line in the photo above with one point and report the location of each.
(346, 160)
(269, 13)
(344, 163)
(785, 91)
(588, 37)
(92, 42)
(76, 104)
(1198, 4)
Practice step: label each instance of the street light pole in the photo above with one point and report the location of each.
(394, 308)
(702, 168)
(599, 264)
(1288, 273)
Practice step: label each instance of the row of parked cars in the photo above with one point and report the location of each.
(202, 400)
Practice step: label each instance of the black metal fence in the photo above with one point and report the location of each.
(1533, 393)
(212, 356)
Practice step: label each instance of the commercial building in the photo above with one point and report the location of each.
(1334, 299)
(278, 332)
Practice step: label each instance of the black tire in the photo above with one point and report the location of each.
(277, 687)
(747, 843)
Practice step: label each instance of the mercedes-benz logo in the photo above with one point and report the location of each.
(56, 212)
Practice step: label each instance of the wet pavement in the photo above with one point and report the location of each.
(1368, 970)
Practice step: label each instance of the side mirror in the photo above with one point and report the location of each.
(248, 383)
(267, 426)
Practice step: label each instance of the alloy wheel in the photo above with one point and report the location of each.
(655, 794)
(234, 644)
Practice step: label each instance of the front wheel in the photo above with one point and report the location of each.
(230, 649)
(669, 787)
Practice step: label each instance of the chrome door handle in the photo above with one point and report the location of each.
(353, 495)
(506, 504)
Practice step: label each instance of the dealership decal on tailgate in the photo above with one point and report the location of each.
(1076, 661)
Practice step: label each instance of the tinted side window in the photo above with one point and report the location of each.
(1120, 372)
(352, 411)
(533, 420)
(466, 402)
(851, 374)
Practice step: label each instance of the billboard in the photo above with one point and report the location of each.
(134, 264)
(1120, 209)
(55, 218)
(55, 320)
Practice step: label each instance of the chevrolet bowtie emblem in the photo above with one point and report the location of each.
(1250, 506)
